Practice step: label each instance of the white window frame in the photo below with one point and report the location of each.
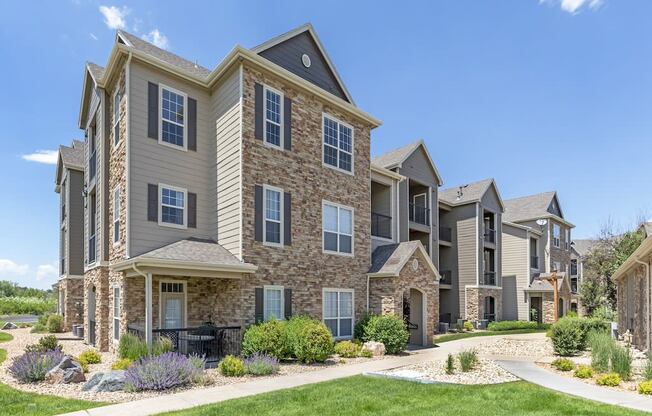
(556, 241)
(116, 215)
(281, 222)
(116, 317)
(161, 186)
(282, 290)
(424, 195)
(281, 126)
(323, 143)
(323, 231)
(352, 317)
(116, 117)
(185, 300)
(162, 87)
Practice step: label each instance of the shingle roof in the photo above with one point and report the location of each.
(528, 207)
(390, 259)
(396, 156)
(464, 194)
(73, 156)
(165, 56)
(583, 246)
(540, 284)
(194, 250)
(96, 71)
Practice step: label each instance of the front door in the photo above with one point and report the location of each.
(415, 319)
(536, 309)
(173, 305)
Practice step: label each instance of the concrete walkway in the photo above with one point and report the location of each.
(532, 373)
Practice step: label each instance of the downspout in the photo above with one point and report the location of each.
(649, 291)
(148, 304)
(367, 292)
(127, 172)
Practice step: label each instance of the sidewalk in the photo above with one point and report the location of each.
(529, 371)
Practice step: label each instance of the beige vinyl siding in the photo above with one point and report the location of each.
(154, 163)
(542, 245)
(225, 105)
(491, 202)
(515, 262)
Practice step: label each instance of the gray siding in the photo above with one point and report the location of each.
(154, 163)
(491, 201)
(516, 262)
(97, 185)
(75, 223)
(404, 207)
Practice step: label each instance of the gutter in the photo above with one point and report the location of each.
(649, 291)
(178, 264)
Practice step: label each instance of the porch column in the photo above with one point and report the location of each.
(148, 309)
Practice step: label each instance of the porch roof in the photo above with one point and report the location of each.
(540, 284)
(389, 260)
(192, 256)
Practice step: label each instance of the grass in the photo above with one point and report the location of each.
(454, 337)
(362, 396)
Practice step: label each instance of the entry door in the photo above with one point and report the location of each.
(173, 305)
(416, 317)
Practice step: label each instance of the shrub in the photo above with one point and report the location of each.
(621, 362)
(232, 366)
(121, 364)
(468, 326)
(595, 324)
(261, 365)
(268, 337)
(347, 349)
(583, 371)
(33, 366)
(132, 347)
(563, 364)
(90, 357)
(358, 331)
(161, 346)
(514, 325)
(18, 305)
(161, 372)
(450, 364)
(366, 353)
(601, 345)
(55, 323)
(568, 336)
(390, 330)
(468, 360)
(83, 364)
(310, 340)
(571, 314)
(46, 343)
(603, 313)
(647, 370)
(645, 387)
(609, 379)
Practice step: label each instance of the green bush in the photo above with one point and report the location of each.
(595, 324)
(365, 353)
(609, 379)
(132, 347)
(83, 364)
(563, 364)
(583, 371)
(511, 325)
(468, 360)
(232, 366)
(601, 345)
(310, 340)
(603, 313)
(647, 370)
(568, 336)
(162, 345)
(450, 364)
(46, 343)
(15, 305)
(358, 331)
(621, 362)
(268, 338)
(55, 324)
(121, 364)
(90, 357)
(347, 349)
(468, 326)
(388, 329)
(645, 387)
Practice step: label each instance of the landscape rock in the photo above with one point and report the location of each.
(376, 348)
(10, 325)
(67, 371)
(106, 382)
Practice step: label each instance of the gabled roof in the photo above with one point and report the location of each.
(96, 71)
(646, 228)
(395, 158)
(540, 284)
(469, 193)
(532, 207)
(310, 31)
(389, 260)
(582, 247)
(69, 158)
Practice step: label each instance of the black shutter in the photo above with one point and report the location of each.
(152, 110)
(192, 124)
(259, 111)
(287, 219)
(287, 124)
(259, 313)
(192, 210)
(287, 299)
(152, 202)
(258, 213)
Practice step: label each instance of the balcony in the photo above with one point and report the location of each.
(573, 269)
(446, 234)
(62, 266)
(92, 166)
(446, 277)
(573, 283)
(419, 214)
(490, 235)
(534, 262)
(63, 212)
(91, 250)
(489, 279)
(381, 225)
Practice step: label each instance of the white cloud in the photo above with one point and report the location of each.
(157, 38)
(9, 268)
(46, 271)
(574, 6)
(114, 17)
(49, 157)
(92, 35)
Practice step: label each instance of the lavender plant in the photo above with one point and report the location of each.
(261, 364)
(162, 372)
(33, 366)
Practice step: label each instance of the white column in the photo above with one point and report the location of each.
(148, 309)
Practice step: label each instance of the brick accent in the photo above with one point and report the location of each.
(71, 290)
(97, 278)
(475, 298)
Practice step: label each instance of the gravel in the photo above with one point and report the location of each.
(515, 347)
(485, 372)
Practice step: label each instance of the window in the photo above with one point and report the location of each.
(116, 313)
(173, 206)
(337, 228)
(556, 266)
(567, 238)
(116, 117)
(116, 216)
(556, 235)
(273, 211)
(273, 118)
(172, 304)
(91, 229)
(173, 116)
(338, 144)
(338, 312)
(273, 303)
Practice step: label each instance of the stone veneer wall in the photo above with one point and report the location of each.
(638, 322)
(386, 294)
(73, 302)
(475, 302)
(97, 277)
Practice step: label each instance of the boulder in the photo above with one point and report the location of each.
(110, 381)
(10, 325)
(376, 348)
(67, 371)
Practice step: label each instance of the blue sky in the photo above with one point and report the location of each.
(540, 95)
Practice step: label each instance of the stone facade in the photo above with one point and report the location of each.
(96, 289)
(559, 254)
(475, 302)
(387, 295)
(71, 297)
(633, 305)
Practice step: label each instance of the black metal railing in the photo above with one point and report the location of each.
(91, 249)
(419, 214)
(446, 234)
(446, 277)
(534, 262)
(92, 166)
(91, 332)
(490, 235)
(381, 225)
(489, 278)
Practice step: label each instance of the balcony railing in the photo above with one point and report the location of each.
(381, 225)
(534, 262)
(63, 266)
(446, 234)
(92, 166)
(573, 269)
(490, 235)
(63, 212)
(91, 249)
(446, 277)
(419, 214)
(489, 278)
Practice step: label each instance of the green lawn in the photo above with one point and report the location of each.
(455, 337)
(361, 396)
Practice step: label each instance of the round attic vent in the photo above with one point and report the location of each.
(305, 60)
(415, 265)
